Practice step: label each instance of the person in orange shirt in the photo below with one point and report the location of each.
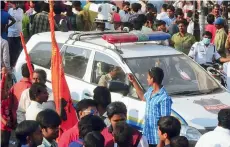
(17, 89)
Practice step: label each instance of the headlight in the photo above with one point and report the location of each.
(190, 133)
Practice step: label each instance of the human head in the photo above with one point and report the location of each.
(45, 7)
(122, 134)
(114, 71)
(182, 25)
(38, 6)
(170, 11)
(94, 139)
(25, 70)
(164, 7)
(38, 93)
(161, 25)
(210, 18)
(150, 18)
(179, 15)
(207, 36)
(155, 75)
(150, 8)
(189, 15)
(224, 118)
(219, 23)
(57, 9)
(77, 5)
(90, 123)
(102, 96)
(3, 5)
(39, 76)
(116, 112)
(126, 6)
(216, 10)
(139, 22)
(29, 133)
(49, 122)
(179, 141)
(86, 107)
(100, 25)
(32, 4)
(168, 127)
(135, 7)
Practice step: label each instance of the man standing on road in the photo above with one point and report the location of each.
(158, 103)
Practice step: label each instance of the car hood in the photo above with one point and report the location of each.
(201, 111)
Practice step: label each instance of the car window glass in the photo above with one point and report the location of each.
(41, 54)
(106, 69)
(75, 61)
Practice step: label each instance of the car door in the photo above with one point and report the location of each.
(75, 62)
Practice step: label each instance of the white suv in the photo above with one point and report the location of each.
(197, 97)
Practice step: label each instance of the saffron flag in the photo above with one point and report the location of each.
(61, 93)
(29, 65)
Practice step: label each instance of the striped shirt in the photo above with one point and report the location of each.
(157, 105)
(40, 23)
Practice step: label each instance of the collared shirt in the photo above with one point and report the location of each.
(203, 54)
(162, 15)
(157, 105)
(25, 101)
(5, 55)
(46, 143)
(30, 12)
(219, 41)
(40, 23)
(16, 28)
(124, 16)
(184, 43)
(168, 20)
(69, 136)
(104, 80)
(211, 28)
(220, 137)
(105, 118)
(33, 110)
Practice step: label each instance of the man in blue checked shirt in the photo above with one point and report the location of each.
(158, 103)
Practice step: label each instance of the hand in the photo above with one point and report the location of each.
(131, 78)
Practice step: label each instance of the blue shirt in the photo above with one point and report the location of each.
(157, 105)
(5, 16)
(168, 20)
(78, 143)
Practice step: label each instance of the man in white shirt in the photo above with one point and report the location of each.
(124, 12)
(38, 95)
(39, 76)
(14, 33)
(220, 137)
(5, 56)
(163, 13)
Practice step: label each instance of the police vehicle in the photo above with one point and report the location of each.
(197, 96)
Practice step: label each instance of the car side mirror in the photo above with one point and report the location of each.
(116, 86)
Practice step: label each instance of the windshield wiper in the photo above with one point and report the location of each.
(186, 93)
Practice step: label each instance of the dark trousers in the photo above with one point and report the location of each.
(15, 49)
(5, 138)
(152, 145)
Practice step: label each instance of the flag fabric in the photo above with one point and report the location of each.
(61, 93)
(3, 87)
(29, 65)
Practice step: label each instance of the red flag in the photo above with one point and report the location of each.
(29, 65)
(62, 98)
(3, 87)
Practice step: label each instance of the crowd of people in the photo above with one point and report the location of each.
(28, 106)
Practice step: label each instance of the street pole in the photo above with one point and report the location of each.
(201, 18)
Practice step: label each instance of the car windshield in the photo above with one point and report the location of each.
(181, 75)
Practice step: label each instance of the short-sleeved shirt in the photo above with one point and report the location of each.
(203, 54)
(157, 105)
(168, 20)
(219, 41)
(5, 16)
(211, 28)
(184, 43)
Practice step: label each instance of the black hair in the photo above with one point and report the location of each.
(160, 22)
(24, 129)
(139, 21)
(210, 18)
(184, 21)
(164, 7)
(125, 3)
(217, 6)
(102, 96)
(42, 74)
(48, 119)
(171, 7)
(76, 3)
(169, 125)
(157, 74)
(116, 108)
(179, 141)
(224, 118)
(136, 7)
(149, 6)
(38, 6)
(189, 13)
(90, 123)
(57, 9)
(150, 17)
(25, 70)
(45, 7)
(84, 104)
(207, 33)
(3, 5)
(122, 134)
(179, 12)
(94, 139)
(36, 89)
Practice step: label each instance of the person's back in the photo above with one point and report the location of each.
(179, 141)
(221, 135)
(94, 139)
